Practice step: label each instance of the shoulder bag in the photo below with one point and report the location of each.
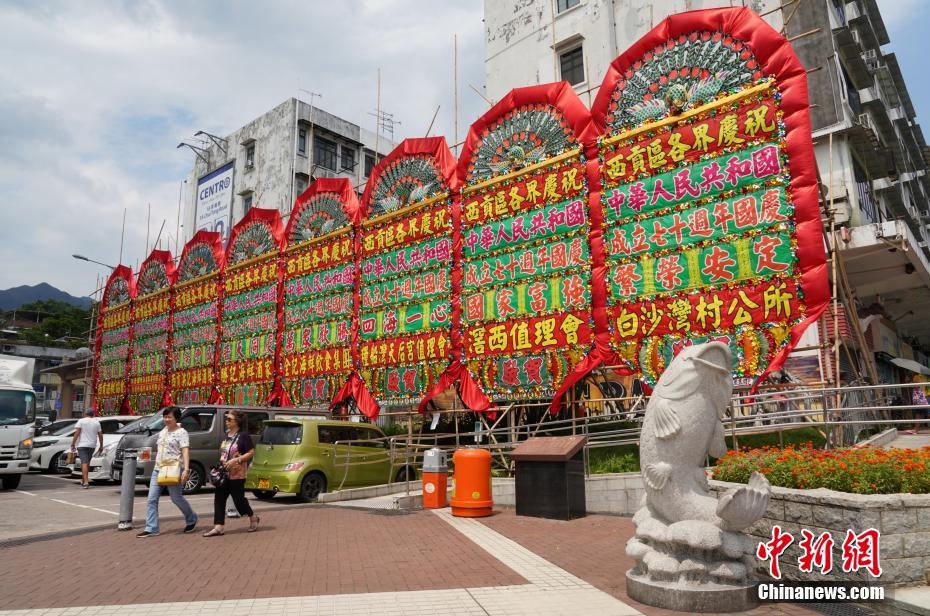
(218, 473)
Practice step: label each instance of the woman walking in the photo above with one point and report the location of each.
(235, 453)
(173, 450)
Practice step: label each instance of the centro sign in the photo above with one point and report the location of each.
(214, 201)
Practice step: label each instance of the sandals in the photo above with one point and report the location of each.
(254, 527)
(213, 533)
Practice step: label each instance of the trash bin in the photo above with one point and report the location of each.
(549, 477)
(435, 478)
(472, 483)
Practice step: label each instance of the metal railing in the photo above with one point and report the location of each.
(844, 417)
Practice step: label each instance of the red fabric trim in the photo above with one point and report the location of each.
(355, 388)
(776, 57)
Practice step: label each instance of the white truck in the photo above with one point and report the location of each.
(17, 418)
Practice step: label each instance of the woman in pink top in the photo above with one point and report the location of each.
(235, 453)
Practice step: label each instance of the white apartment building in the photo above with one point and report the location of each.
(270, 161)
(871, 152)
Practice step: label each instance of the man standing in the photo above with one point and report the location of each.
(87, 434)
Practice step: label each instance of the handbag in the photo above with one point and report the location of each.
(69, 459)
(218, 473)
(169, 472)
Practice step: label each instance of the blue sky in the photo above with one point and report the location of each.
(906, 22)
(95, 95)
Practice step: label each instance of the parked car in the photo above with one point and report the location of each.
(53, 426)
(48, 452)
(101, 466)
(307, 457)
(205, 426)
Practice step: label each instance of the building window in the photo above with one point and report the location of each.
(302, 141)
(369, 164)
(324, 153)
(246, 203)
(250, 157)
(571, 64)
(348, 159)
(564, 5)
(301, 180)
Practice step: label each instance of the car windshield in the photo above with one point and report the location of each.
(139, 425)
(282, 434)
(17, 408)
(64, 430)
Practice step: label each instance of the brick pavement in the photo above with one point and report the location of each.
(594, 549)
(304, 551)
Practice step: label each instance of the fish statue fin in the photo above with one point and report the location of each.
(741, 507)
(667, 423)
(657, 475)
(718, 444)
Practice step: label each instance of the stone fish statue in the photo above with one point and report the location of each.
(688, 551)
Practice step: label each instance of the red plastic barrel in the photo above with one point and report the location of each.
(472, 483)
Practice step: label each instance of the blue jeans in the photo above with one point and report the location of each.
(151, 514)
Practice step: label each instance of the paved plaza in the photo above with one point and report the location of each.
(335, 560)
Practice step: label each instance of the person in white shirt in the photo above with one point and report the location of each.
(87, 434)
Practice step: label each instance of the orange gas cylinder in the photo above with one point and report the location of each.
(472, 483)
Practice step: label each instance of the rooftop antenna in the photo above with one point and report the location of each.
(217, 141)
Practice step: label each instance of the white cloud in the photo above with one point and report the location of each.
(96, 95)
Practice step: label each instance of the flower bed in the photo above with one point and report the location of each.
(864, 470)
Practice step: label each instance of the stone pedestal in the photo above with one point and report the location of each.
(691, 598)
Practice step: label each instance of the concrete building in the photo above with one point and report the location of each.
(270, 161)
(871, 153)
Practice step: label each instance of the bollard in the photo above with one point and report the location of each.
(435, 478)
(127, 490)
(472, 483)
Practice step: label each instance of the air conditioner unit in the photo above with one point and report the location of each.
(872, 60)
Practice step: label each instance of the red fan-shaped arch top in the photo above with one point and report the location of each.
(341, 186)
(164, 258)
(777, 59)
(212, 239)
(560, 95)
(435, 147)
(120, 272)
(270, 217)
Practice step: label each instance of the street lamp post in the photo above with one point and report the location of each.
(83, 258)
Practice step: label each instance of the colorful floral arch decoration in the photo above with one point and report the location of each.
(709, 203)
(192, 359)
(249, 340)
(525, 301)
(318, 301)
(151, 334)
(113, 343)
(406, 277)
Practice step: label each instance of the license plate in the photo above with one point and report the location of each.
(264, 484)
(117, 475)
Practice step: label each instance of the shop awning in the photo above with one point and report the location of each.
(910, 364)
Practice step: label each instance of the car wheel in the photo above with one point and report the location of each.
(402, 475)
(53, 465)
(311, 487)
(195, 479)
(11, 482)
(263, 494)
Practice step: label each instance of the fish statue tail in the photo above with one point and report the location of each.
(740, 507)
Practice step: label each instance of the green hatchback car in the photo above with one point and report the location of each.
(306, 456)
